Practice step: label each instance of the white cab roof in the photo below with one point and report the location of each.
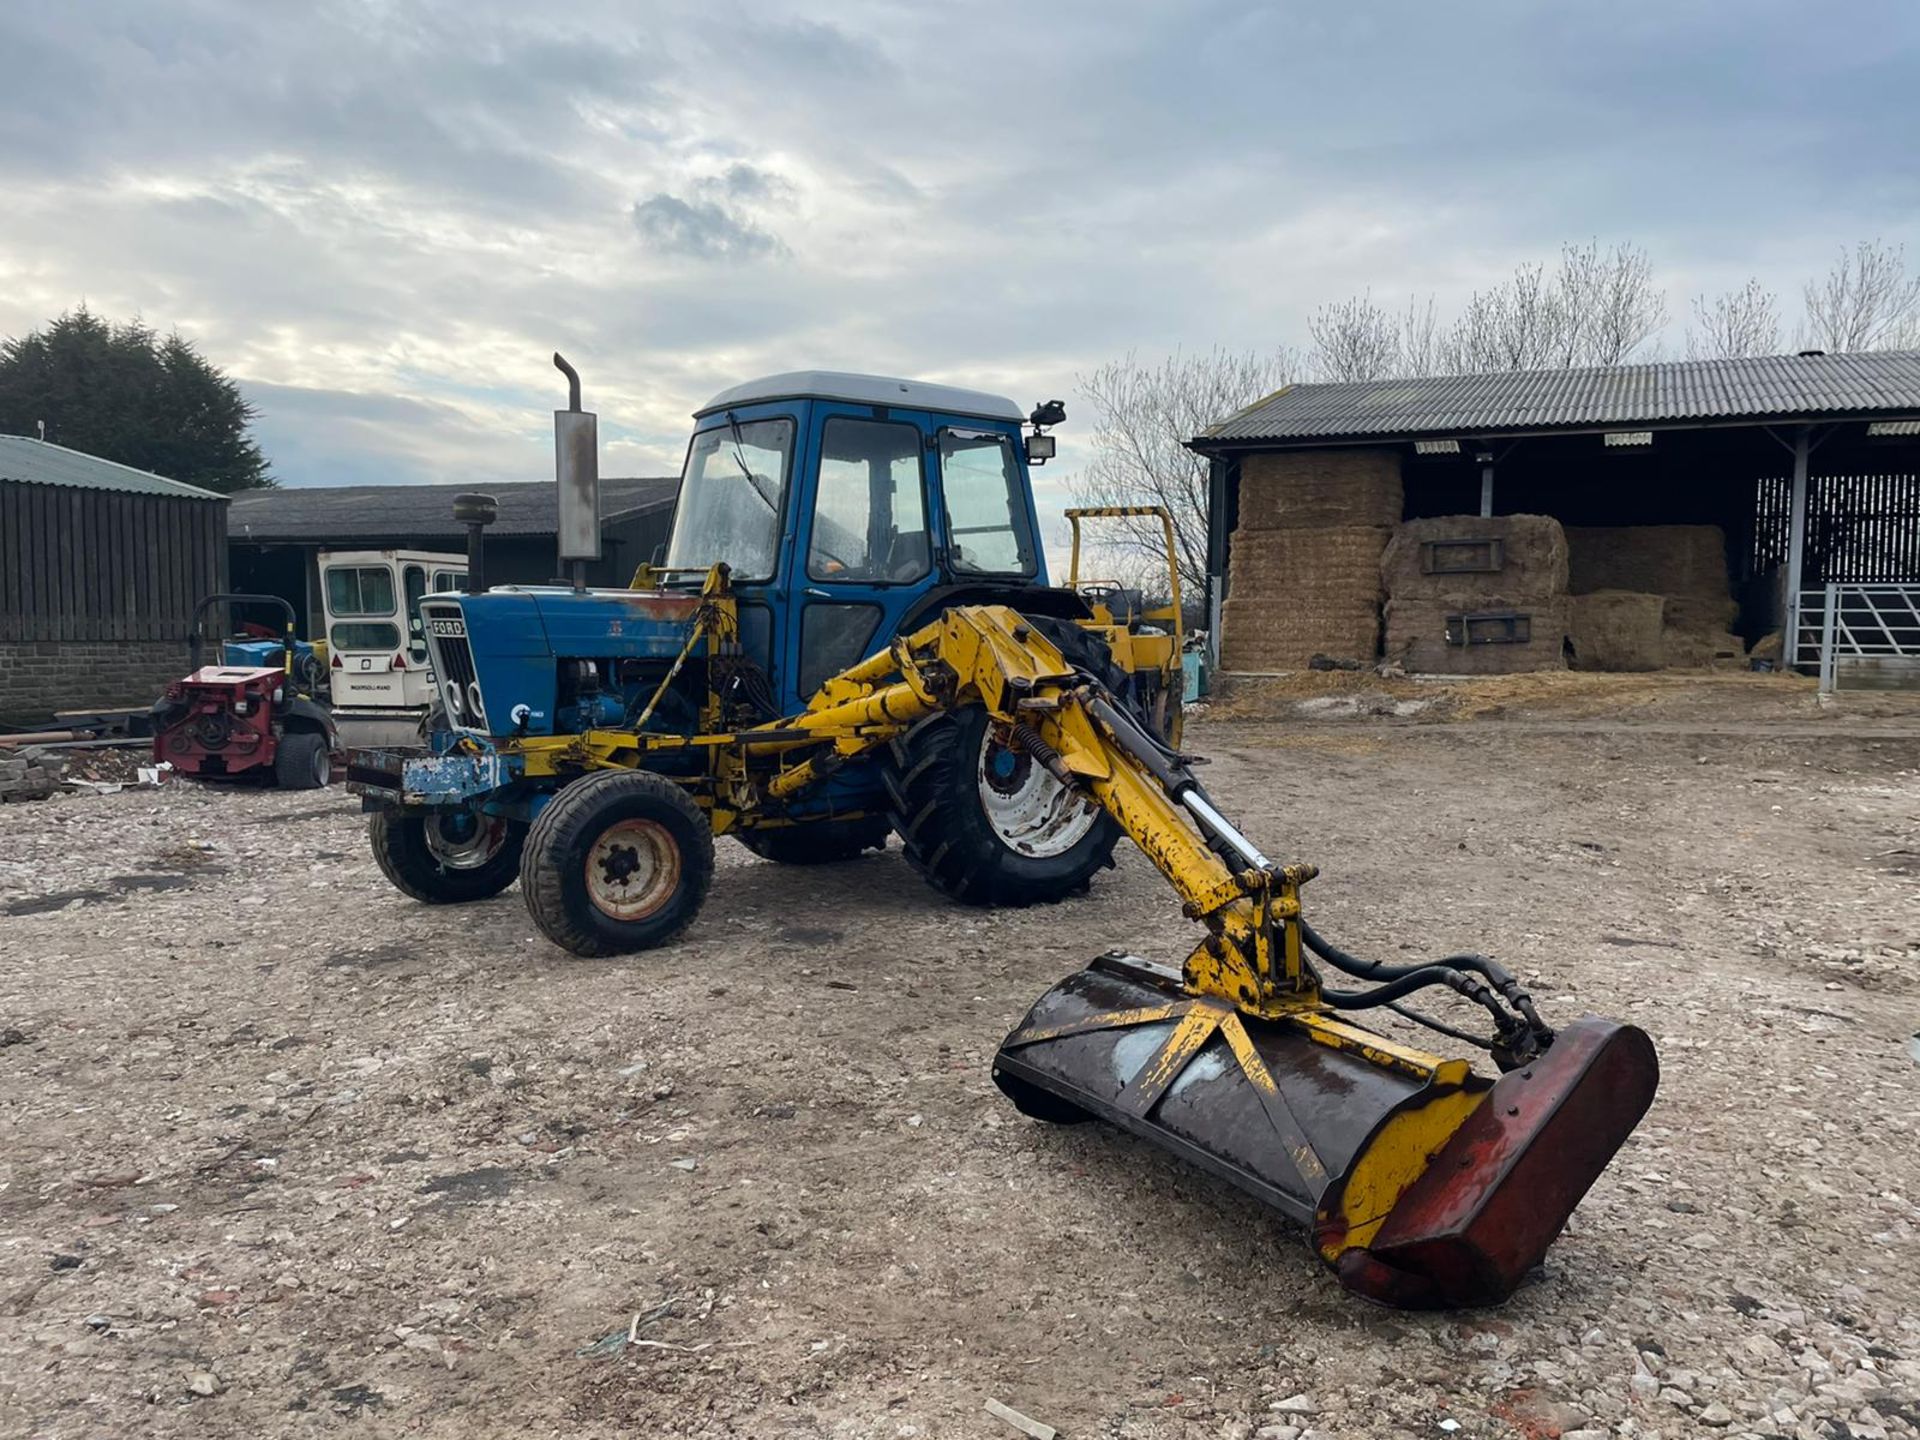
(865, 390)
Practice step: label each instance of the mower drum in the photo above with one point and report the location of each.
(1424, 1185)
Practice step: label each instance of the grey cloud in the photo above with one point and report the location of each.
(702, 230)
(752, 185)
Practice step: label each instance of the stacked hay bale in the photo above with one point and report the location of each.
(1685, 565)
(1424, 593)
(1618, 630)
(1306, 558)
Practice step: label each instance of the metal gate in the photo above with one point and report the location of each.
(1861, 632)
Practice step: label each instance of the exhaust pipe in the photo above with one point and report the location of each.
(576, 461)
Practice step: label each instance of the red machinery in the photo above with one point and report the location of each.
(232, 721)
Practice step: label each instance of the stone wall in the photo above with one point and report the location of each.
(38, 677)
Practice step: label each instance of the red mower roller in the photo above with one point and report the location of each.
(254, 722)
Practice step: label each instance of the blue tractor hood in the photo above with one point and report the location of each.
(520, 635)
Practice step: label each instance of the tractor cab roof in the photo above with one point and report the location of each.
(864, 390)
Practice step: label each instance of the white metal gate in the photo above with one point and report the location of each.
(1859, 629)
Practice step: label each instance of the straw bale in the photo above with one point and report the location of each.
(1654, 559)
(1417, 635)
(1618, 630)
(1699, 649)
(1265, 635)
(1533, 558)
(1310, 566)
(1320, 489)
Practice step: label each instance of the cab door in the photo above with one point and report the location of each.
(864, 545)
(365, 634)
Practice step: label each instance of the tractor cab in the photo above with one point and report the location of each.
(847, 506)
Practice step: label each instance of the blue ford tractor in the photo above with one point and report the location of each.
(828, 514)
(853, 636)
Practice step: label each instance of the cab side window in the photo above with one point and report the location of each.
(987, 529)
(870, 510)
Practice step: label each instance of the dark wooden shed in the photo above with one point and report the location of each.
(101, 566)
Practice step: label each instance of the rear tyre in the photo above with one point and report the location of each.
(301, 761)
(447, 857)
(618, 862)
(989, 826)
(822, 842)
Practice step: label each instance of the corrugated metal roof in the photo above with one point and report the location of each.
(1771, 387)
(408, 512)
(40, 462)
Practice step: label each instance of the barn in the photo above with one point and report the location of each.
(1728, 512)
(101, 566)
(275, 536)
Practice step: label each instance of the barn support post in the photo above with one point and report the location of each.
(1216, 553)
(1796, 540)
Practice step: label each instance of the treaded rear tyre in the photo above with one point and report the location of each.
(821, 842)
(301, 761)
(401, 849)
(935, 807)
(618, 862)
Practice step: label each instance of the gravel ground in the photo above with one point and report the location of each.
(283, 1152)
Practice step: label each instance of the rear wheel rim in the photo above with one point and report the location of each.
(1029, 811)
(322, 765)
(465, 841)
(633, 869)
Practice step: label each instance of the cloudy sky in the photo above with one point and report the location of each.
(382, 218)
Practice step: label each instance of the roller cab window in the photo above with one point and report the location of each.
(360, 590)
(987, 527)
(731, 495)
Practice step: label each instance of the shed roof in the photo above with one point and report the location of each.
(1768, 387)
(40, 462)
(340, 513)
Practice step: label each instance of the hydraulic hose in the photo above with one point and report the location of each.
(1495, 973)
(1509, 1030)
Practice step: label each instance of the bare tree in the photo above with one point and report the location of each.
(1142, 415)
(1597, 307)
(1354, 339)
(1517, 325)
(1735, 324)
(1422, 341)
(1609, 306)
(1866, 302)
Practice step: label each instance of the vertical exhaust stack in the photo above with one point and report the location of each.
(476, 512)
(576, 460)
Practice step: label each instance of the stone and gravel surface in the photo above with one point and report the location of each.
(282, 1152)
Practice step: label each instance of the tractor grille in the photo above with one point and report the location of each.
(453, 667)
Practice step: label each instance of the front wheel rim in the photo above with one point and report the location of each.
(1030, 812)
(633, 869)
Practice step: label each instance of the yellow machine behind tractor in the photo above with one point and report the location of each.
(854, 636)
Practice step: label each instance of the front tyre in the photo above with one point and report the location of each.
(986, 825)
(301, 761)
(619, 861)
(447, 857)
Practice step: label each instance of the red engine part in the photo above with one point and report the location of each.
(219, 720)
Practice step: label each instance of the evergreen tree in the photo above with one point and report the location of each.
(123, 393)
